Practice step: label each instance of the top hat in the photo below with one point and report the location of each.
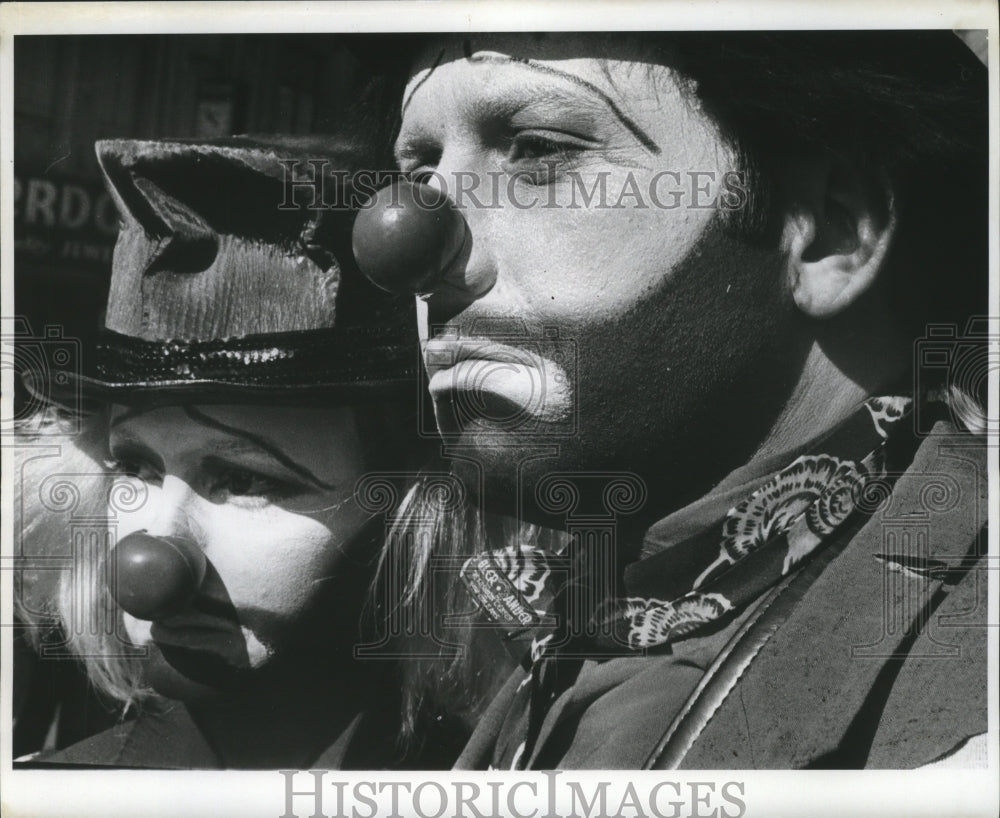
(233, 279)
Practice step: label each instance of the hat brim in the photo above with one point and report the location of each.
(354, 365)
(85, 394)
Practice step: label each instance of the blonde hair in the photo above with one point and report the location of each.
(61, 471)
(444, 687)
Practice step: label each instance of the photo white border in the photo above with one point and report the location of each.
(142, 793)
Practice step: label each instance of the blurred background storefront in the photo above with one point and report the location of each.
(73, 90)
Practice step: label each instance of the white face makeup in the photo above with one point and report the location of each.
(267, 493)
(657, 309)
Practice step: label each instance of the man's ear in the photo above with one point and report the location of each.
(838, 226)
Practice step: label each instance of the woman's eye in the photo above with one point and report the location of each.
(245, 483)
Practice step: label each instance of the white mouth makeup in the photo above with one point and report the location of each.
(476, 372)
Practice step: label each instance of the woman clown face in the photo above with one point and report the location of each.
(266, 493)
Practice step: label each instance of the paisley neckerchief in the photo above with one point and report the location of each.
(699, 583)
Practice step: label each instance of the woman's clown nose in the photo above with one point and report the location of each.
(156, 577)
(407, 237)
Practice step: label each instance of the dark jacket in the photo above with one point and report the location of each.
(168, 738)
(873, 654)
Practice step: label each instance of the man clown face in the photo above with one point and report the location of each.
(668, 321)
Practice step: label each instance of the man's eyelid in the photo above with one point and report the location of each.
(558, 137)
(554, 108)
(571, 114)
(411, 155)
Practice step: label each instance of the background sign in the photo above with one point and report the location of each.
(63, 220)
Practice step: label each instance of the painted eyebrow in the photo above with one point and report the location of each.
(261, 443)
(427, 76)
(127, 445)
(630, 125)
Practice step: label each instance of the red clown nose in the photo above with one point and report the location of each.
(407, 237)
(157, 577)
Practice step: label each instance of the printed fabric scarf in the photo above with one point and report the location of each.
(687, 589)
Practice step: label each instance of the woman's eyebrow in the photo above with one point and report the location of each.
(260, 443)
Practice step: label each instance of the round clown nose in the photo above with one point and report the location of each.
(156, 576)
(407, 237)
